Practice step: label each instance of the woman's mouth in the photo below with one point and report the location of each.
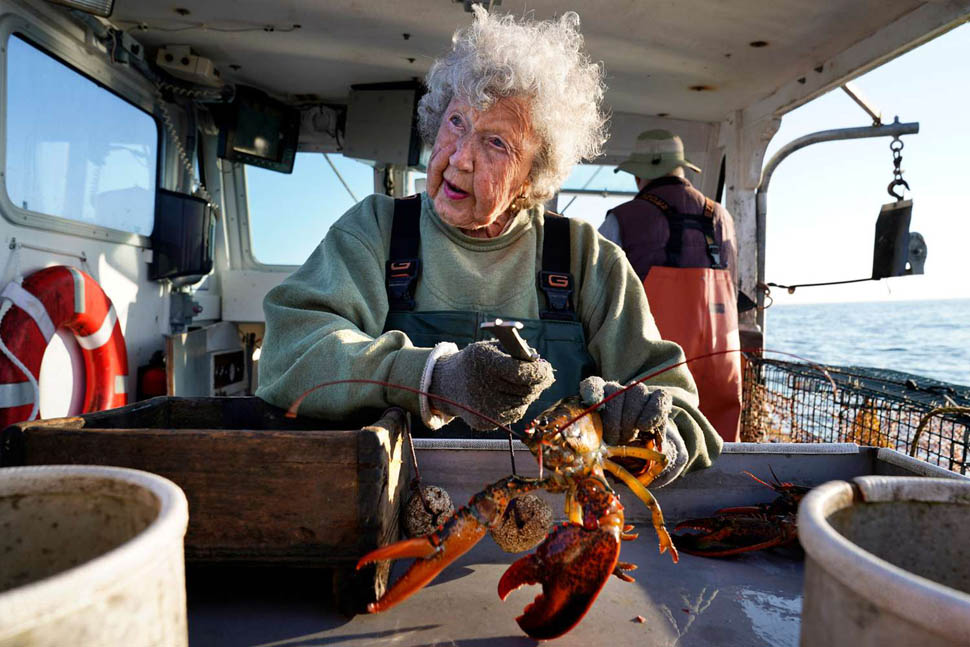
(452, 192)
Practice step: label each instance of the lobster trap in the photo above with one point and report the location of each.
(799, 402)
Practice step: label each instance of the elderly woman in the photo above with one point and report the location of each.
(397, 286)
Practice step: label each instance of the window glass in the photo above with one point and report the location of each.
(610, 190)
(289, 214)
(417, 182)
(599, 177)
(75, 150)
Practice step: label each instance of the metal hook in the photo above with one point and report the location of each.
(896, 146)
(894, 184)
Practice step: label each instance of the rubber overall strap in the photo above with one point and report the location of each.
(713, 249)
(555, 280)
(679, 222)
(403, 265)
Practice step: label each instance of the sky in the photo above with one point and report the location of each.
(823, 200)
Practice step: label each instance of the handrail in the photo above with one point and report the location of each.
(894, 129)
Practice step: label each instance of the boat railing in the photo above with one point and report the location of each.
(803, 402)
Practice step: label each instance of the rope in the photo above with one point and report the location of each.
(791, 288)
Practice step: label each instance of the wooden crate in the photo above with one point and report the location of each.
(262, 489)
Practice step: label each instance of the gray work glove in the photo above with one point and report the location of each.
(489, 381)
(638, 413)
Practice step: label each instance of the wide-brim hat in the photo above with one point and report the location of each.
(656, 153)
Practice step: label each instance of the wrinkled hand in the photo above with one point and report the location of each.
(487, 380)
(638, 413)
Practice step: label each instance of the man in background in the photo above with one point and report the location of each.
(683, 247)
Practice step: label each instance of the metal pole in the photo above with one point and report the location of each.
(894, 129)
(851, 89)
(340, 177)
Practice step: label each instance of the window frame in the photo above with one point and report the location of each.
(124, 84)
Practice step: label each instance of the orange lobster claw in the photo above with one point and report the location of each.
(455, 538)
(572, 565)
(433, 553)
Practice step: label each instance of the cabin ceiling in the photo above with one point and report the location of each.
(689, 59)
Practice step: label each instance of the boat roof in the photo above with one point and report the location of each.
(691, 59)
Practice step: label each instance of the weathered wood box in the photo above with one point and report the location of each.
(262, 489)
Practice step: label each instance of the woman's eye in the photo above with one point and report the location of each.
(497, 143)
(455, 120)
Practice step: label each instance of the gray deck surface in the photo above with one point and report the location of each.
(752, 599)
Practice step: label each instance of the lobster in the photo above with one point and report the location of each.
(574, 562)
(577, 558)
(747, 528)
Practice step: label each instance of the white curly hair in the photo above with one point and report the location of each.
(542, 61)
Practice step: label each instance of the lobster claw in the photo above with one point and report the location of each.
(572, 564)
(456, 537)
(738, 530)
(434, 553)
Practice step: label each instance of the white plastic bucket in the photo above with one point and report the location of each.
(91, 555)
(887, 562)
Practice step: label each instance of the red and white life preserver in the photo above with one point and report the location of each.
(50, 299)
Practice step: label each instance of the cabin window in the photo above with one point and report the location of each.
(73, 149)
(593, 189)
(289, 214)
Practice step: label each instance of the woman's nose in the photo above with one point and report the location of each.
(461, 158)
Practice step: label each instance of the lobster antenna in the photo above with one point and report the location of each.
(764, 483)
(512, 454)
(774, 476)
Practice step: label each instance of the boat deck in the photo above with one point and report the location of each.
(750, 599)
(747, 600)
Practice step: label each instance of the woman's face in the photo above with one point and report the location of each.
(480, 163)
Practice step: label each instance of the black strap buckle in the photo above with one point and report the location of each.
(400, 276)
(714, 251)
(558, 288)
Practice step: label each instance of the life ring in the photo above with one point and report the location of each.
(50, 299)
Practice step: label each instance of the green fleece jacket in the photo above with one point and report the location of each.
(325, 321)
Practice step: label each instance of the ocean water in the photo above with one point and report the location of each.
(929, 338)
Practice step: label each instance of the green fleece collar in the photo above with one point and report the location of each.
(521, 223)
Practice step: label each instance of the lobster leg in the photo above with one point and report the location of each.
(621, 567)
(456, 537)
(658, 460)
(574, 511)
(644, 495)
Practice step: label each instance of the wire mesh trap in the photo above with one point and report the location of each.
(798, 402)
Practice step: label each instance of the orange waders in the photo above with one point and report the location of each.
(697, 308)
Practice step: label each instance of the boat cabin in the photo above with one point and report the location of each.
(188, 157)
